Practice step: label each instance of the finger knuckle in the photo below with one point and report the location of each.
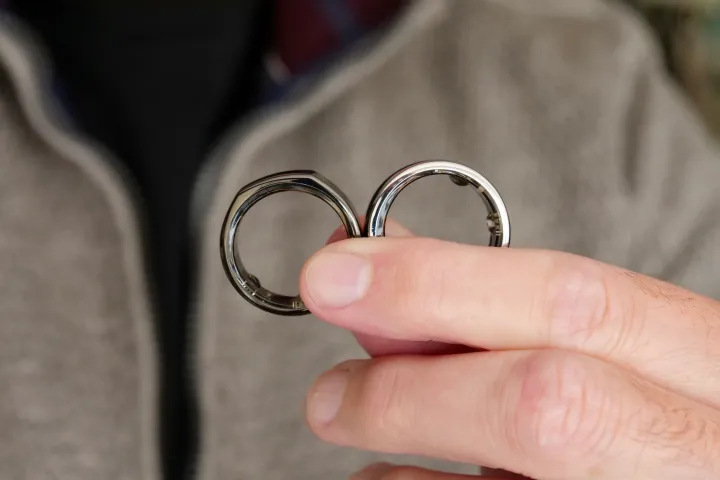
(389, 411)
(694, 441)
(690, 437)
(562, 407)
(586, 311)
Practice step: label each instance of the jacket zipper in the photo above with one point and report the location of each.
(202, 196)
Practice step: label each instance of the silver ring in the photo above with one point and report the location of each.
(498, 220)
(305, 181)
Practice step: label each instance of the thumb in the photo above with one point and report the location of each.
(379, 347)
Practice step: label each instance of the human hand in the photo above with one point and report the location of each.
(569, 368)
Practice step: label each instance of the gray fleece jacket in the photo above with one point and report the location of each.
(564, 105)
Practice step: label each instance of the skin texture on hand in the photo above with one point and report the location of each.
(546, 364)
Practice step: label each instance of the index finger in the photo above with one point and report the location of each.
(502, 299)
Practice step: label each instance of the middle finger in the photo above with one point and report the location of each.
(543, 414)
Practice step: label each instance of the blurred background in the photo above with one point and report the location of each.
(689, 31)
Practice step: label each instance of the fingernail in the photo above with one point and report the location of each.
(326, 399)
(372, 472)
(338, 279)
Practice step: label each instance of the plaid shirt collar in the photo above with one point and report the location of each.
(309, 35)
(307, 31)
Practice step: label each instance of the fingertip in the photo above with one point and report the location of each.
(327, 398)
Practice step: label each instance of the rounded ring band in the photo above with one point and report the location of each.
(498, 219)
(305, 181)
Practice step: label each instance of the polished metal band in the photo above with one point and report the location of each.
(299, 181)
(498, 220)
